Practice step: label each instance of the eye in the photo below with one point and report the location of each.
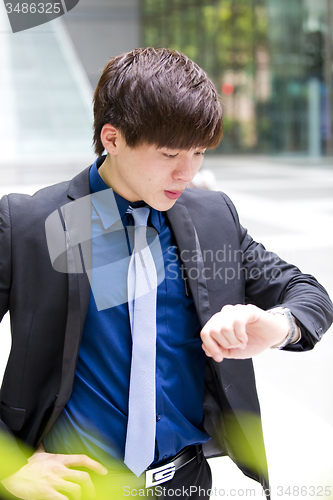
(170, 156)
(199, 153)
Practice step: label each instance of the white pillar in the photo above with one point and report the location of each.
(314, 139)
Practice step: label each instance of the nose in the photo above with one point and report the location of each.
(185, 169)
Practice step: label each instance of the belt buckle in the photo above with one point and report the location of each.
(160, 474)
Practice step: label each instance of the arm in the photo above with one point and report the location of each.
(243, 331)
(12, 456)
(282, 284)
(43, 474)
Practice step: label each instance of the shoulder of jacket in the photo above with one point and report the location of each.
(45, 200)
(195, 198)
(196, 195)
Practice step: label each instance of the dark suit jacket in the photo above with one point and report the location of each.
(48, 308)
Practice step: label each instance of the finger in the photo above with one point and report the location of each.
(226, 336)
(84, 461)
(221, 330)
(210, 346)
(82, 478)
(51, 494)
(233, 324)
(240, 334)
(73, 488)
(236, 353)
(218, 334)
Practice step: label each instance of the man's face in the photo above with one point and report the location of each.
(156, 175)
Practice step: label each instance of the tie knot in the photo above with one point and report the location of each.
(140, 216)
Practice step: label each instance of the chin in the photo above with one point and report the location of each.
(162, 207)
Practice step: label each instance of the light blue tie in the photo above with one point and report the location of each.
(142, 293)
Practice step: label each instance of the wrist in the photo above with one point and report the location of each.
(293, 334)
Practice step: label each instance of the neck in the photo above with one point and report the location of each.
(105, 171)
(110, 173)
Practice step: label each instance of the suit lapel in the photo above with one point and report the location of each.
(188, 243)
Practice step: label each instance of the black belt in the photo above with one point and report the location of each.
(161, 473)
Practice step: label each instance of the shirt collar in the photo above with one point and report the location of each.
(109, 205)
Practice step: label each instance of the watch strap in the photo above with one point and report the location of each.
(292, 325)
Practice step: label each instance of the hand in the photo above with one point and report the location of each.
(241, 332)
(46, 474)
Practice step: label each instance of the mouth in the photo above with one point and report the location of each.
(173, 195)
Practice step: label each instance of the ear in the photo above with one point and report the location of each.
(110, 137)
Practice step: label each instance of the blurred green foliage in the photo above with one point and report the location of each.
(217, 34)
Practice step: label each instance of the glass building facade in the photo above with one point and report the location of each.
(271, 61)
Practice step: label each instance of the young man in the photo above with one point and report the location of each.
(116, 383)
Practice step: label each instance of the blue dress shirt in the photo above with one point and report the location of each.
(95, 418)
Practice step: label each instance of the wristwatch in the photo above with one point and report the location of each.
(292, 325)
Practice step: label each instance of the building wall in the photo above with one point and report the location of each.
(101, 29)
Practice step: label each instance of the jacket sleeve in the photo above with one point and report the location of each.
(270, 282)
(12, 456)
